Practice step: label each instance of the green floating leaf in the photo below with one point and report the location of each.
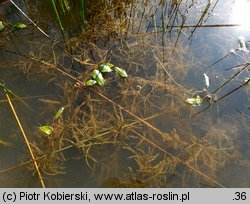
(90, 82)
(97, 75)
(110, 65)
(58, 113)
(48, 130)
(104, 68)
(100, 80)
(121, 72)
(19, 25)
(1, 26)
(196, 101)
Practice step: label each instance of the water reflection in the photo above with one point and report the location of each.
(240, 13)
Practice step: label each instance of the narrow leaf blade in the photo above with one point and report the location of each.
(58, 113)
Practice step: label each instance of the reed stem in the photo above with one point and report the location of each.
(25, 139)
(57, 15)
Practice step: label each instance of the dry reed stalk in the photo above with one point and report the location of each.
(26, 140)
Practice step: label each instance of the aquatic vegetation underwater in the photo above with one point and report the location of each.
(120, 105)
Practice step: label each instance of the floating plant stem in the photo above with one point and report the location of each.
(209, 104)
(206, 26)
(230, 92)
(242, 113)
(201, 19)
(236, 74)
(227, 94)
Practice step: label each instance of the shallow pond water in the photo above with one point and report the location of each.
(136, 131)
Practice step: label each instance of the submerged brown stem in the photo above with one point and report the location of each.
(179, 160)
(36, 159)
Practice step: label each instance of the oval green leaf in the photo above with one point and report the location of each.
(90, 82)
(97, 75)
(100, 80)
(58, 113)
(121, 72)
(104, 68)
(19, 25)
(1, 26)
(48, 130)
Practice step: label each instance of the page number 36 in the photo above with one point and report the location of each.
(240, 196)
